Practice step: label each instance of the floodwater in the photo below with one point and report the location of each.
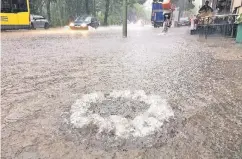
(190, 105)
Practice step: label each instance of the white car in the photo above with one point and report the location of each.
(38, 21)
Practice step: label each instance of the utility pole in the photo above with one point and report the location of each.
(125, 10)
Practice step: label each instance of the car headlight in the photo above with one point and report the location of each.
(84, 25)
(72, 24)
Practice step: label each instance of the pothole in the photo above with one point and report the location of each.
(120, 114)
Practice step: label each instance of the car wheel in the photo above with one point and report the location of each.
(96, 26)
(47, 26)
(32, 27)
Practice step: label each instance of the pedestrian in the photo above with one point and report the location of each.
(206, 8)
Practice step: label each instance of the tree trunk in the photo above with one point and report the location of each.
(87, 7)
(125, 9)
(48, 10)
(94, 8)
(106, 12)
(61, 8)
(41, 9)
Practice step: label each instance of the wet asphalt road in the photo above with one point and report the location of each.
(44, 72)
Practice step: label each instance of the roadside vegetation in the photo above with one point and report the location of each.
(109, 12)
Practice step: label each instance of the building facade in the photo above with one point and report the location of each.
(236, 6)
(199, 3)
(227, 6)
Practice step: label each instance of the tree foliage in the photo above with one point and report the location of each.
(61, 12)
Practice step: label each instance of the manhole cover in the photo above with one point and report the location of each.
(120, 114)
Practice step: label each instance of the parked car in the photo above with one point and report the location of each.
(82, 23)
(38, 21)
(185, 21)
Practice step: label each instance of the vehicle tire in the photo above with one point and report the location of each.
(32, 27)
(96, 27)
(47, 26)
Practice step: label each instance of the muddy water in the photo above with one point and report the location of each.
(44, 72)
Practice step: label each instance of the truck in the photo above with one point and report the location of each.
(159, 8)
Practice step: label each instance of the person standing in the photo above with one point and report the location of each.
(206, 8)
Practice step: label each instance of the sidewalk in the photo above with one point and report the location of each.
(224, 48)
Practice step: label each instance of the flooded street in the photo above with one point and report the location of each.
(93, 95)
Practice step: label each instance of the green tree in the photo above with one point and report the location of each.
(61, 12)
(107, 5)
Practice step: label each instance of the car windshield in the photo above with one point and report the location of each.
(13, 6)
(83, 19)
(184, 19)
(88, 19)
(79, 19)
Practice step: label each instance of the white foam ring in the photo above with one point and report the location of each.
(142, 125)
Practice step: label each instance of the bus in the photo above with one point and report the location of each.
(15, 14)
